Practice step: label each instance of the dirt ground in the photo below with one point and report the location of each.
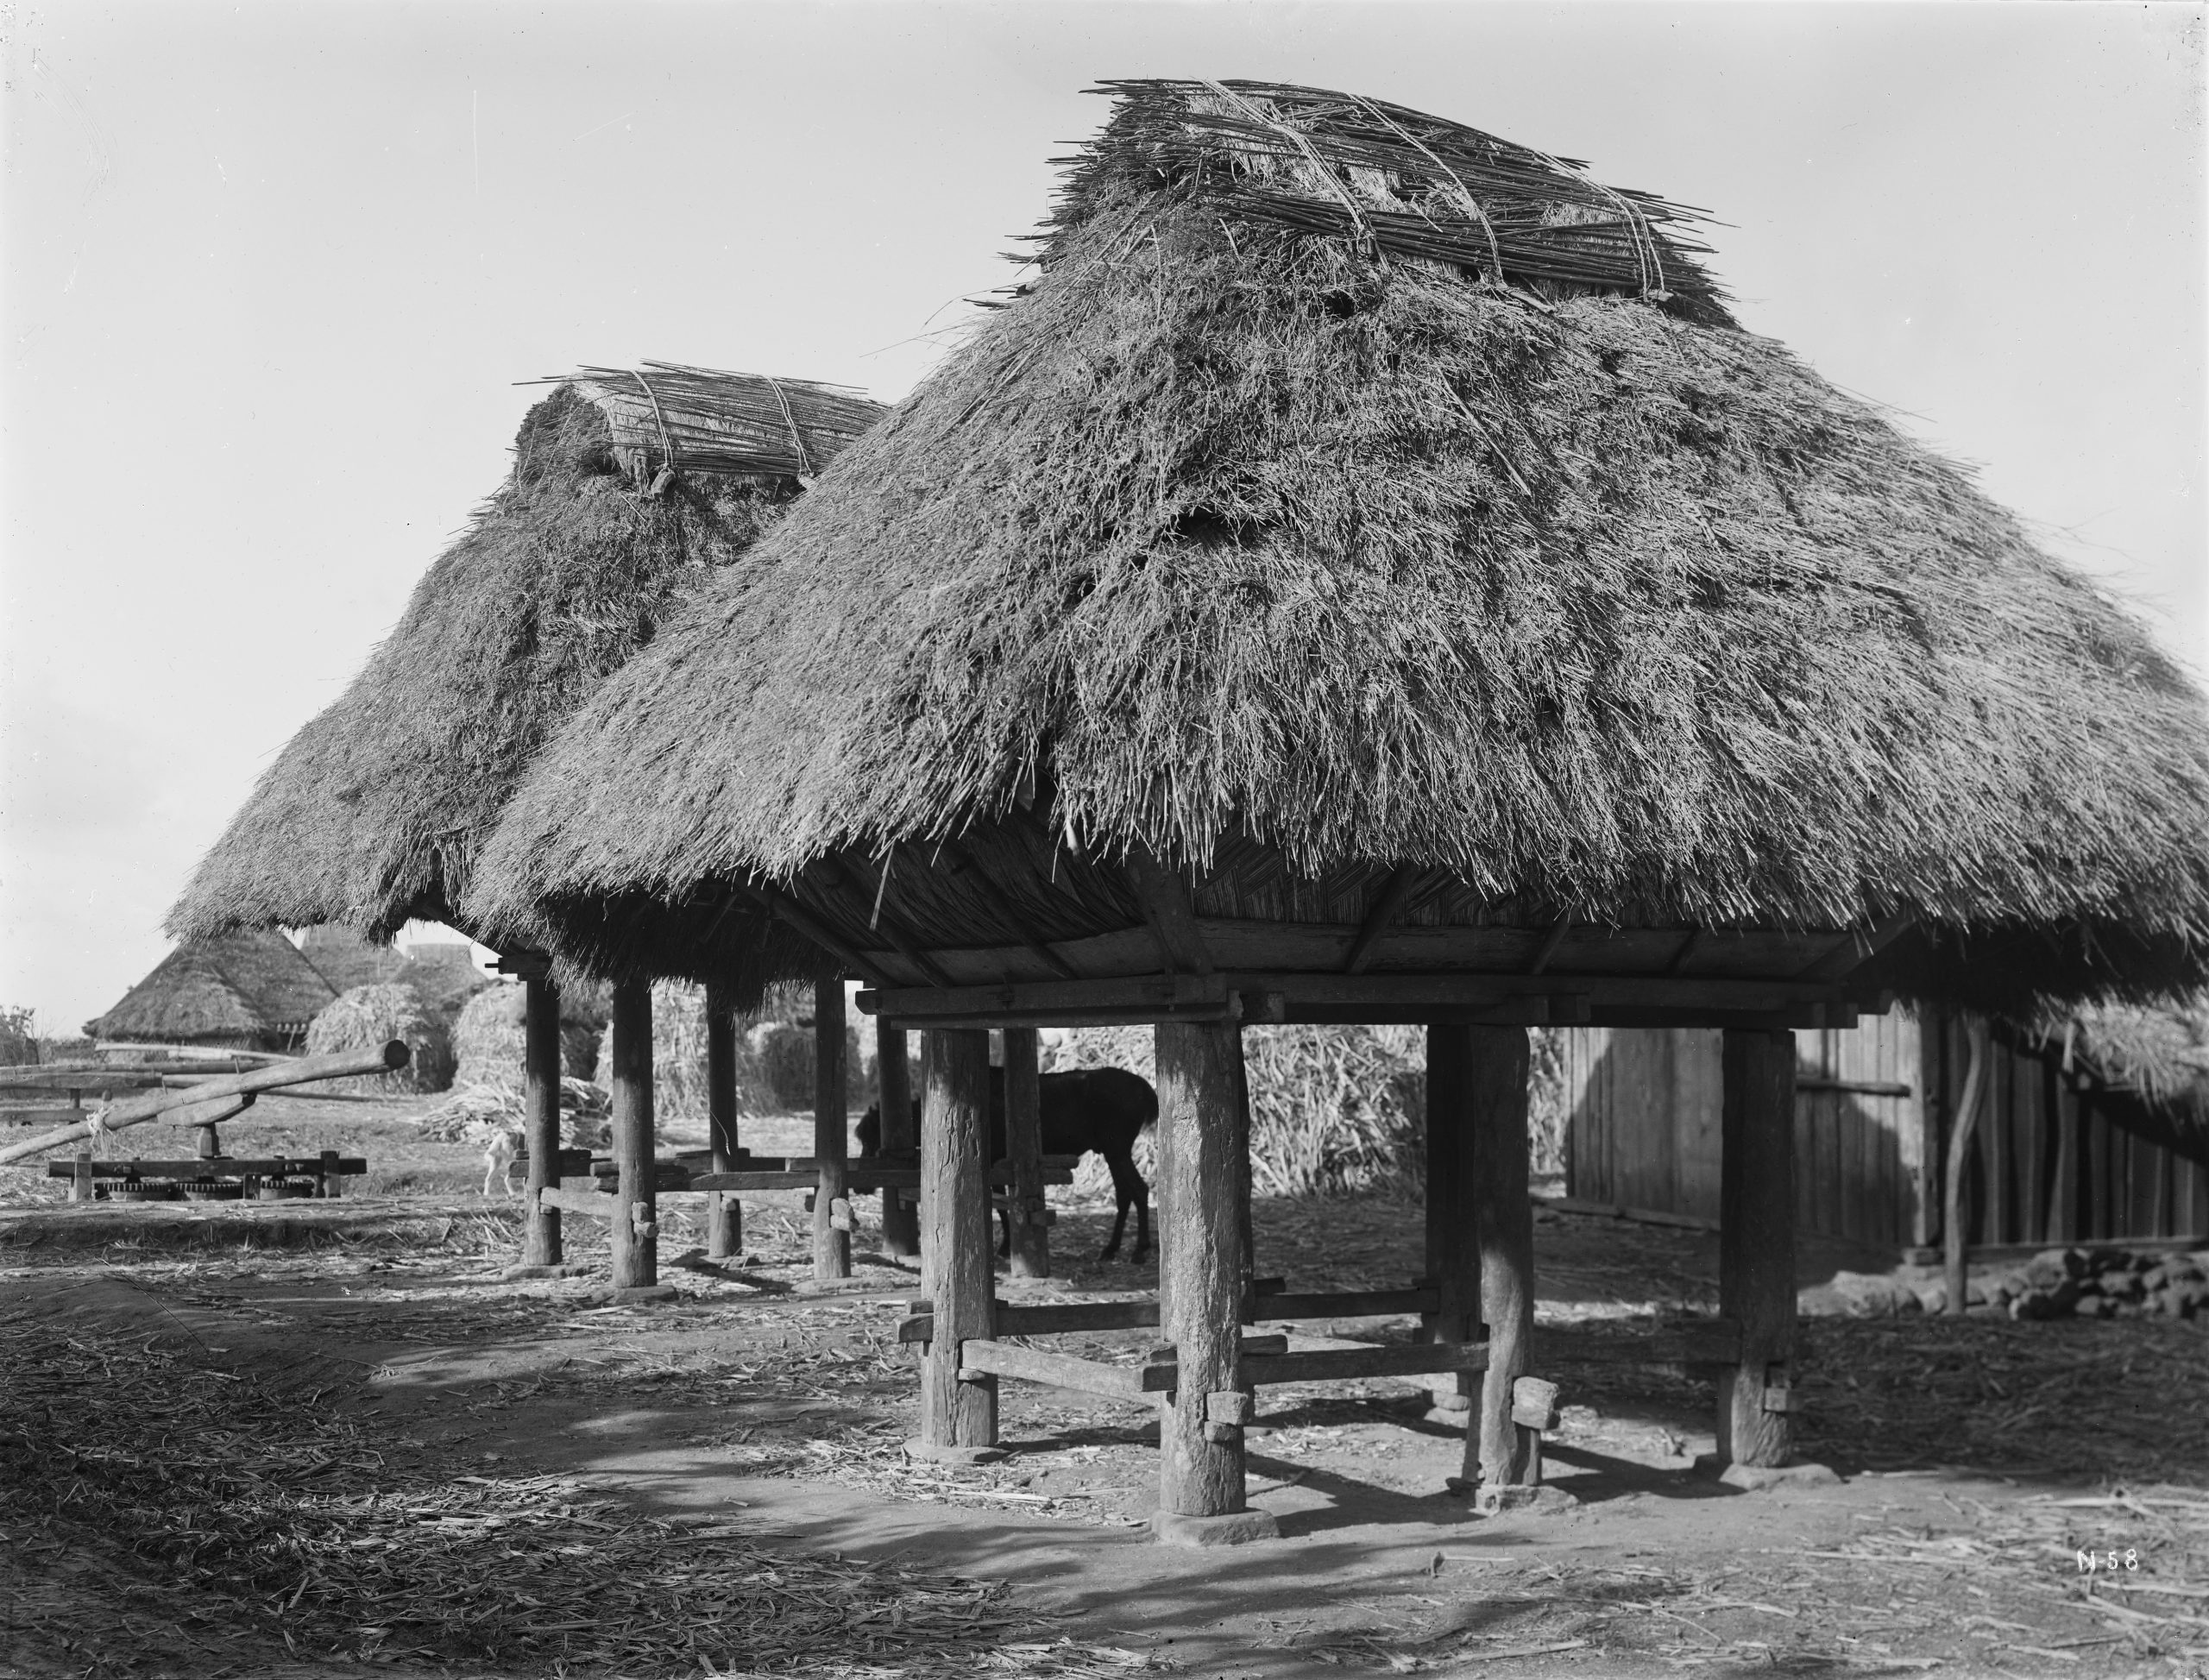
(329, 1438)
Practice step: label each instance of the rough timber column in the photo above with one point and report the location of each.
(1510, 1453)
(724, 1213)
(1453, 1256)
(1203, 1200)
(901, 1225)
(540, 1107)
(635, 1230)
(958, 1420)
(1756, 1247)
(1024, 1151)
(832, 1132)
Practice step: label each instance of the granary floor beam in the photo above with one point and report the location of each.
(1756, 1248)
(832, 1132)
(1028, 1214)
(1453, 1256)
(901, 1229)
(724, 1213)
(1204, 1194)
(635, 1228)
(958, 1417)
(540, 1059)
(1504, 1443)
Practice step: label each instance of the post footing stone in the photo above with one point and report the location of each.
(514, 1272)
(643, 1294)
(1756, 1478)
(1236, 1528)
(931, 1452)
(1515, 1498)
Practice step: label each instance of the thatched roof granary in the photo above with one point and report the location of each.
(2159, 1056)
(1368, 574)
(245, 989)
(628, 491)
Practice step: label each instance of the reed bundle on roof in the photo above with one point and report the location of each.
(1298, 561)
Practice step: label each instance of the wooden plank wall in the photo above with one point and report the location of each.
(1873, 1106)
(2047, 1164)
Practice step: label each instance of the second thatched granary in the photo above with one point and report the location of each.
(1368, 575)
(629, 490)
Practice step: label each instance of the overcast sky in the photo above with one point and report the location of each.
(272, 271)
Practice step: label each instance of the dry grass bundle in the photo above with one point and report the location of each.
(488, 1037)
(678, 1054)
(368, 1016)
(472, 1111)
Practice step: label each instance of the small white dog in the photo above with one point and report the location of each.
(501, 1146)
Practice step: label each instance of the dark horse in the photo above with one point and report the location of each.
(1103, 1109)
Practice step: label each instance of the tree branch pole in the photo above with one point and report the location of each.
(1952, 1213)
(724, 1213)
(832, 1132)
(901, 1222)
(634, 1230)
(153, 1104)
(540, 1104)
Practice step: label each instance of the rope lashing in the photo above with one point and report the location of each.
(666, 475)
(1297, 138)
(797, 437)
(1464, 193)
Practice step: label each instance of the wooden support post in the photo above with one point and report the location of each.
(958, 1420)
(1509, 1454)
(901, 1225)
(832, 1134)
(634, 1230)
(724, 1213)
(1203, 1199)
(1756, 1247)
(207, 1145)
(80, 1179)
(1023, 1149)
(1953, 1231)
(540, 1110)
(1453, 1255)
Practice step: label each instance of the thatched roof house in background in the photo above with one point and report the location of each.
(249, 990)
(1388, 529)
(628, 490)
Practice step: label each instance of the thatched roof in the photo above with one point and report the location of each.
(1274, 531)
(251, 988)
(2159, 1055)
(372, 814)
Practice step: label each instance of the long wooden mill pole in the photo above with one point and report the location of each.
(1023, 1149)
(832, 1132)
(1953, 1234)
(724, 1213)
(540, 1102)
(1756, 1246)
(635, 1227)
(958, 1417)
(1203, 1191)
(901, 1227)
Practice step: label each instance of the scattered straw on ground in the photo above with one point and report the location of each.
(278, 1517)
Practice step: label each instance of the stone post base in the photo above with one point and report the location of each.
(1173, 1529)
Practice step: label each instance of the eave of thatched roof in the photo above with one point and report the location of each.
(2156, 1054)
(227, 988)
(371, 815)
(1290, 560)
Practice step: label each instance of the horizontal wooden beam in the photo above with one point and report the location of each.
(1349, 1303)
(1086, 1377)
(587, 1202)
(1340, 1365)
(859, 1177)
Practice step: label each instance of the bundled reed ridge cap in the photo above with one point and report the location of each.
(701, 419)
(1394, 180)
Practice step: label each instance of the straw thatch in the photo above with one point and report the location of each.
(251, 991)
(367, 1015)
(489, 1035)
(1294, 559)
(372, 814)
(2158, 1055)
